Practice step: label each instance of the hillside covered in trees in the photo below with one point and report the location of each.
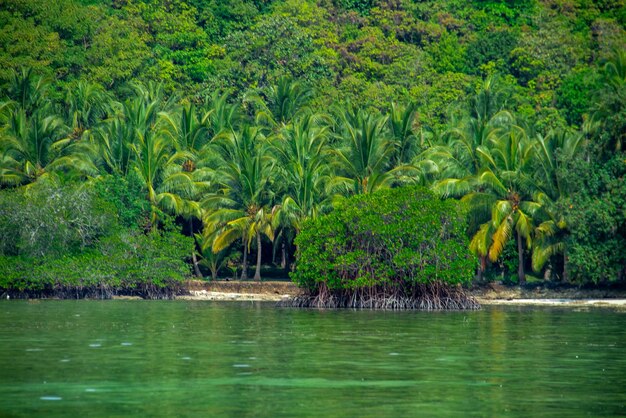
(142, 141)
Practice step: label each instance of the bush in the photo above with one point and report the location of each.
(48, 219)
(126, 196)
(74, 241)
(401, 241)
(128, 263)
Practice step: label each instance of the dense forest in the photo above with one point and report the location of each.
(143, 141)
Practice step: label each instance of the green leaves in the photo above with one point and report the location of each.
(388, 237)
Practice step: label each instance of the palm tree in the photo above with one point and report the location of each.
(456, 159)
(554, 150)
(219, 116)
(169, 185)
(184, 183)
(28, 90)
(363, 158)
(241, 208)
(459, 155)
(214, 261)
(301, 154)
(86, 105)
(116, 139)
(113, 140)
(505, 186)
(36, 146)
(152, 151)
(280, 103)
(401, 125)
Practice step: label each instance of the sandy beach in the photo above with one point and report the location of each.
(493, 294)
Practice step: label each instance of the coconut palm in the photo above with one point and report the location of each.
(280, 103)
(214, 261)
(141, 115)
(113, 141)
(86, 105)
(169, 184)
(28, 90)
(219, 116)
(152, 152)
(505, 186)
(459, 154)
(554, 150)
(363, 157)
(402, 128)
(184, 183)
(240, 208)
(301, 154)
(455, 160)
(36, 146)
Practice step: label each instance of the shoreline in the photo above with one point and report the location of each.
(574, 303)
(232, 296)
(492, 294)
(263, 297)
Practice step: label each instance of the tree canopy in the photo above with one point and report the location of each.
(233, 124)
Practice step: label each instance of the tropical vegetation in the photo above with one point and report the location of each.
(224, 129)
(395, 249)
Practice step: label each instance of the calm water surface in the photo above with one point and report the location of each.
(181, 358)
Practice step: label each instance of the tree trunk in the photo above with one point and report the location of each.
(565, 268)
(283, 259)
(257, 273)
(481, 267)
(285, 263)
(244, 272)
(196, 268)
(520, 254)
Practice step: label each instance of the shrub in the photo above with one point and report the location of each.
(70, 241)
(400, 241)
(127, 263)
(48, 219)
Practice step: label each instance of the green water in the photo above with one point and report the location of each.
(180, 358)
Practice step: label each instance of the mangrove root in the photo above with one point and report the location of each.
(429, 297)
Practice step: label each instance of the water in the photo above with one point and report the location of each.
(181, 358)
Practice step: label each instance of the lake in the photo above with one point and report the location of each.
(200, 359)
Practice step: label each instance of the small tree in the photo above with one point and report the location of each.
(394, 249)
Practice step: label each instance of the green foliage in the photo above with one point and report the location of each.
(124, 194)
(126, 263)
(275, 46)
(110, 59)
(609, 109)
(360, 6)
(492, 46)
(596, 214)
(72, 238)
(392, 237)
(48, 220)
(574, 96)
(233, 119)
(447, 54)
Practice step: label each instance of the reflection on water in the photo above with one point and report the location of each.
(163, 358)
